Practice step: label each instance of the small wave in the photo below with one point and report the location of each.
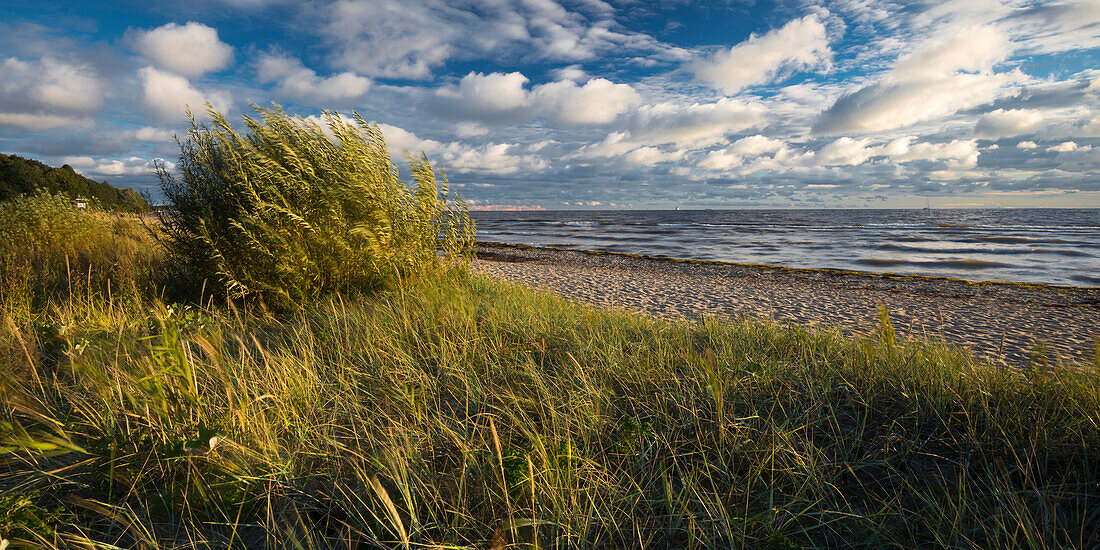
(1019, 240)
(883, 261)
(997, 251)
(956, 264)
(1086, 279)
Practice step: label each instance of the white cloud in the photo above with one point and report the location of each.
(972, 49)
(1067, 146)
(296, 80)
(599, 101)
(31, 121)
(1007, 123)
(1027, 145)
(132, 166)
(167, 95)
(470, 129)
(798, 45)
(649, 156)
(150, 134)
(696, 124)
(399, 39)
(491, 97)
(401, 141)
(927, 85)
(735, 154)
(958, 154)
(844, 151)
(191, 50)
(491, 158)
(720, 160)
(500, 97)
(51, 85)
(757, 145)
(576, 73)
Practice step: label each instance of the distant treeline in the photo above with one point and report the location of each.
(20, 176)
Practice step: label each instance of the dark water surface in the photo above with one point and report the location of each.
(1055, 246)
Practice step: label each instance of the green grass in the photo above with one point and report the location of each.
(453, 411)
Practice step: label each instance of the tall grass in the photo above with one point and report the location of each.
(288, 214)
(51, 251)
(460, 412)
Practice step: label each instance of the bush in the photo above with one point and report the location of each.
(289, 214)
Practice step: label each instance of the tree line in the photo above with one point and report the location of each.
(21, 176)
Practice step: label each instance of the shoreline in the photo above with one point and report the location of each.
(854, 272)
(1001, 321)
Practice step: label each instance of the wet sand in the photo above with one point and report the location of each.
(1002, 321)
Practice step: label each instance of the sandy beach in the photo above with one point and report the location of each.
(1001, 321)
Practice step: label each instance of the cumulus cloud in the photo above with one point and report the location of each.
(49, 85)
(132, 166)
(1067, 146)
(958, 154)
(492, 97)
(846, 151)
(684, 128)
(192, 49)
(735, 154)
(598, 101)
(500, 97)
(694, 124)
(940, 79)
(167, 95)
(1027, 145)
(1007, 123)
(756, 145)
(487, 159)
(798, 45)
(293, 79)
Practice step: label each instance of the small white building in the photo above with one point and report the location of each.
(81, 203)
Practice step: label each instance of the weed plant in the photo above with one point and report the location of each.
(289, 214)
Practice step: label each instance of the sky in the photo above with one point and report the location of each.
(591, 103)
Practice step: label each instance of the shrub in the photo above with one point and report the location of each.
(288, 214)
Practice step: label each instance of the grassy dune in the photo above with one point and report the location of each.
(452, 411)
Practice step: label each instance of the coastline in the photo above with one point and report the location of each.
(1002, 321)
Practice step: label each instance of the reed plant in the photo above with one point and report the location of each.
(289, 214)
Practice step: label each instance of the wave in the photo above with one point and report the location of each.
(954, 264)
(998, 251)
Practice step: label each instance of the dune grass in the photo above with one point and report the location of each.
(452, 411)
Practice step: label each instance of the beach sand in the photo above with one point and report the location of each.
(1002, 321)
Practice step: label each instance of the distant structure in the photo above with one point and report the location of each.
(81, 203)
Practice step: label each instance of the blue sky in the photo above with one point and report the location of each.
(593, 103)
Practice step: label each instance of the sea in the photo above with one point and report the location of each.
(1029, 245)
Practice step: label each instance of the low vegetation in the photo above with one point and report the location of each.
(289, 215)
(443, 410)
